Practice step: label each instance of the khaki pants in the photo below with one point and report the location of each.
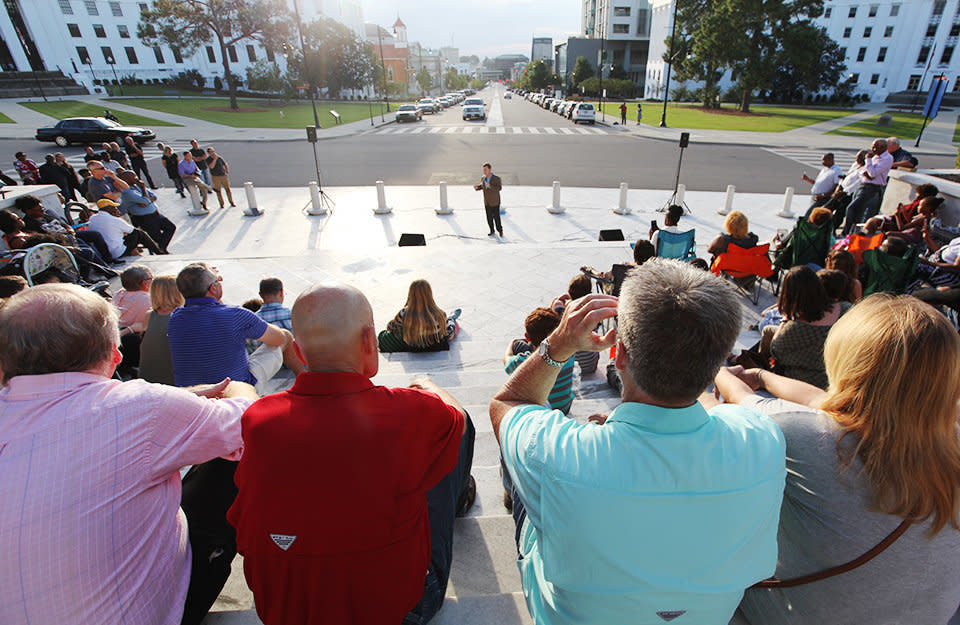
(222, 182)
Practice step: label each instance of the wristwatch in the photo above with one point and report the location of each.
(544, 352)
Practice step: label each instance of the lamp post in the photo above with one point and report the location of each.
(93, 75)
(112, 62)
(383, 66)
(303, 51)
(673, 41)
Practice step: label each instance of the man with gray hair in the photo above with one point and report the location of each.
(663, 509)
(91, 525)
(901, 158)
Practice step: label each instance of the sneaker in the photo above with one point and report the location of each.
(490, 234)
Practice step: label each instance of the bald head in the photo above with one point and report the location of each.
(333, 329)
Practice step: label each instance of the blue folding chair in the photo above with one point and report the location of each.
(678, 245)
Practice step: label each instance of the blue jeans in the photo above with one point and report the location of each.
(443, 502)
(205, 174)
(864, 205)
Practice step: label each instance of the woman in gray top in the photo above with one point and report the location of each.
(156, 364)
(879, 446)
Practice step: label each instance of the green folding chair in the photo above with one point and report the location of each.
(886, 273)
(807, 244)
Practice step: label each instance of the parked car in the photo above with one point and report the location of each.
(409, 113)
(92, 130)
(428, 105)
(474, 108)
(556, 105)
(562, 109)
(584, 112)
(507, 96)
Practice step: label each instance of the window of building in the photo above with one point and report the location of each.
(177, 57)
(84, 55)
(853, 12)
(914, 83)
(938, 6)
(115, 9)
(99, 31)
(888, 31)
(124, 31)
(861, 54)
(107, 54)
(131, 55)
(251, 54)
(882, 55)
(955, 30)
(621, 29)
(643, 22)
(74, 30)
(270, 56)
(158, 54)
(932, 30)
(946, 56)
(65, 7)
(843, 53)
(854, 79)
(873, 10)
(827, 12)
(91, 7)
(924, 55)
(621, 11)
(874, 79)
(232, 53)
(210, 55)
(867, 31)
(894, 10)
(846, 32)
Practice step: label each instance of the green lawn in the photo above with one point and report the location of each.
(260, 113)
(905, 125)
(5, 120)
(763, 118)
(72, 108)
(956, 132)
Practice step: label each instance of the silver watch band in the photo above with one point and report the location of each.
(544, 352)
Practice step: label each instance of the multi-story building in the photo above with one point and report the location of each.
(890, 46)
(429, 59)
(542, 49)
(393, 51)
(624, 27)
(97, 40)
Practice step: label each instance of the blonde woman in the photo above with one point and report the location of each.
(877, 452)
(420, 326)
(155, 362)
(737, 231)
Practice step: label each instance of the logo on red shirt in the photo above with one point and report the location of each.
(283, 540)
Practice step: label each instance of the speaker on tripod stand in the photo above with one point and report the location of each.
(684, 144)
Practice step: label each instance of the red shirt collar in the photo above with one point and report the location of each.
(330, 383)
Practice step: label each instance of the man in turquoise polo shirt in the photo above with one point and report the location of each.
(665, 512)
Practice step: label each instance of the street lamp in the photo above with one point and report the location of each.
(303, 51)
(673, 41)
(383, 66)
(112, 62)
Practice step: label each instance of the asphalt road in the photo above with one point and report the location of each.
(526, 145)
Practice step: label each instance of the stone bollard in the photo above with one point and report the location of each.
(556, 209)
(621, 208)
(444, 207)
(197, 210)
(787, 210)
(251, 210)
(316, 206)
(728, 201)
(382, 208)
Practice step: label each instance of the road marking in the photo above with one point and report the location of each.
(484, 130)
(476, 129)
(550, 131)
(582, 131)
(417, 130)
(566, 131)
(533, 131)
(811, 158)
(495, 114)
(501, 130)
(434, 131)
(467, 130)
(451, 130)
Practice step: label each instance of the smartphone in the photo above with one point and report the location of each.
(653, 225)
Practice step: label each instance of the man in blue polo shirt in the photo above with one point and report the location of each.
(207, 338)
(664, 511)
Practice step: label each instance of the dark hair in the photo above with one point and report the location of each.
(802, 295)
(271, 286)
(843, 260)
(18, 155)
(894, 246)
(643, 251)
(133, 277)
(674, 213)
(581, 286)
(11, 285)
(185, 152)
(49, 158)
(699, 263)
(836, 284)
(8, 221)
(26, 202)
(488, 165)
(253, 305)
(927, 190)
(194, 280)
(540, 323)
(84, 172)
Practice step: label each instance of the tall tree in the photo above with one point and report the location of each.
(617, 72)
(537, 75)
(581, 70)
(808, 61)
(189, 24)
(701, 51)
(425, 80)
(336, 58)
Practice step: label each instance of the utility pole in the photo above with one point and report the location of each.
(386, 95)
(673, 41)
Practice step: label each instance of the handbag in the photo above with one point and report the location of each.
(843, 568)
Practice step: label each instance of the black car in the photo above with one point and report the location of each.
(92, 130)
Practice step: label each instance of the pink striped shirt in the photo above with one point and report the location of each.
(91, 529)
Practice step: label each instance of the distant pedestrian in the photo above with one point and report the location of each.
(137, 162)
(108, 115)
(51, 173)
(90, 155)
(28, 170)
(72, 179)
(219, 170)
(191, 177)
(623, 113)
(639, 113)
(490, 185)
(171, 163)
(200, 158)
(117, 154)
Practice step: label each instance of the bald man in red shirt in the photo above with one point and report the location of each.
(332, 512)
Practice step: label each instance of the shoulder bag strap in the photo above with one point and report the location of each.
(843, 568)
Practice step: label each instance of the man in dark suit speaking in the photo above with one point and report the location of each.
(490, 185)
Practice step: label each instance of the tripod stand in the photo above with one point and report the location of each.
(326, 203)
(684, 143)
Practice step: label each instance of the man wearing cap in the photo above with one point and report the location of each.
(103, 183)
(122, 239)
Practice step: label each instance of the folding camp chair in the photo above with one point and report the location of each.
(806, 245)
(886, 273)
(860, 243)
(678, 245)
(50, 258)
(740, 264)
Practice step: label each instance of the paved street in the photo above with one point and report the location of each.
(526, 144)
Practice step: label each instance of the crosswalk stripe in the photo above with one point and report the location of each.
(582, 131)
(534, 131)
(417, 130)
(517, 130)
(434, 131)
(566, 131)
(501, 130)
(812, 158)
(467, 130)
(550, 131)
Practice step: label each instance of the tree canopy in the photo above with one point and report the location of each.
(581, 70)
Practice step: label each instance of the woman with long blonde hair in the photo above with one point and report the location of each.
(421, 325)
(876, 453)
(156, 364)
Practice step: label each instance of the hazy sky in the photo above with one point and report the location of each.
(481, 27)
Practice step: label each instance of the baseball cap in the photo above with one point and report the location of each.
(104, 202)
